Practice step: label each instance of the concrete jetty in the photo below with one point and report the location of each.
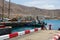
(40, 35)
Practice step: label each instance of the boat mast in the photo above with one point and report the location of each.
(54, 14)
(9, 9)
(2, 10)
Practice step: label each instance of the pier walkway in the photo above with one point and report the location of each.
(40, 35)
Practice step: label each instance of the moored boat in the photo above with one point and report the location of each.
(5, 30)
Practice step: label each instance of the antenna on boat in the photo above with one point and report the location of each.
(2, 10)
(9, 9)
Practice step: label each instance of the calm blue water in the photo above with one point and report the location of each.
(55, 25)
(18, 29)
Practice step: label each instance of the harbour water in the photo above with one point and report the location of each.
(55, 25)
(18, 29)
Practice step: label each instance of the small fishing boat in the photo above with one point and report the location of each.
(5, 30)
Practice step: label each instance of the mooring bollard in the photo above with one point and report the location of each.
(50, 27)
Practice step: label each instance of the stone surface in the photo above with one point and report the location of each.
(40, 35)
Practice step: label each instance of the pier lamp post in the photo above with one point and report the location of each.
(9, 9)
(2, 10)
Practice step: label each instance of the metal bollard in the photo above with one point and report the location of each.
(50, 27)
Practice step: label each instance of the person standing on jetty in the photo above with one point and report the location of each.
(43, 25)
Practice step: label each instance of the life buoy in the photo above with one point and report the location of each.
(56, 37)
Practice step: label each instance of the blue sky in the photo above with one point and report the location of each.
(44, 4)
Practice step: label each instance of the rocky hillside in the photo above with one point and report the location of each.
(18, 10)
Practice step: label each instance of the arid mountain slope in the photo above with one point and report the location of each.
(18, 10)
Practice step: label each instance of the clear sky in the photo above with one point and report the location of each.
(45, 4)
